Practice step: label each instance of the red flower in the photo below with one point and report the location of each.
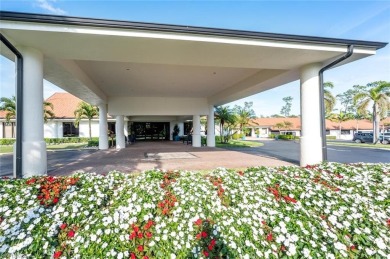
(140, 248)
(145, 257)
(269, 237)
(206, 253)
(388, 222)
(57, 254)
(132, 235)
(132, 256)
(198, 236)
(210, 247)
(31, 181)
(149, 234)
(71, 233)
(352, 247)
(204, 234)
(283, 248)
(55, 200)
(198, 222)
(63, 226)
(135, 228)
(263, 222)
(149, 224)
(140, 235)
(213, 242)
(241, 173)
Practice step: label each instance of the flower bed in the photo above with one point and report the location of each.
(326, 211)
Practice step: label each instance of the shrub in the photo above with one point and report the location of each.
(93, 143)
(236, 136)
(287, 137)
(7, 141)
(203, 140)
(330, 137)
(69, 140)
(271, 135)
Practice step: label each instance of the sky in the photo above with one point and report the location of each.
(357, 20)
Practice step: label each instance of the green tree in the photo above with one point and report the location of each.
(285, 111)
(244, 115)
(85, 111)
(223, 115)
(279, 126)
(287, 124)
(339, 118)
(329, 99)
(378, 96)
(9, 105)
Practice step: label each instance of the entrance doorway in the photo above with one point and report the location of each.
(151, 130)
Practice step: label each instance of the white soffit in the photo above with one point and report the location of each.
(99, 62)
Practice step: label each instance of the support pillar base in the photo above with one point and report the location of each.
(311, 150)
(196, 140)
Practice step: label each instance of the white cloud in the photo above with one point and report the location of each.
(47, 5)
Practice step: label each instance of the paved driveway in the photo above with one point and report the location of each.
(147, 155)
(289, 151)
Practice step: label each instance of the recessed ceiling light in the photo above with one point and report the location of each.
(127, 69)
(215, 73)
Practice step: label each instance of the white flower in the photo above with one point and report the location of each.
(93, 237)
(306, 252)
(340, 246)
(379, 242)
(173, 256)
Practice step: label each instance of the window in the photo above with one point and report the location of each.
(69, 130)
(345, 132)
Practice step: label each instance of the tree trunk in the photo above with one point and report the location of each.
(90, 130)
(339, 129)
(376, 124)
(357, 125)
(221, 131)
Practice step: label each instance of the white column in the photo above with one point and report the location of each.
(196, 142)
(119, 133)
(311, 144)
(211, 127)
(34, 147)
(125, 129)
(103, 134)
(253, 132)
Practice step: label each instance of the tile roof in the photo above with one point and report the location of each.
(330, 125)
(64, 105)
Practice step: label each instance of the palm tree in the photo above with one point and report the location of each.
(340, 117)
(377, 95)
(47, 114)
(244, 115)
(223, 114)
(279, 125)
(85, 111)
(9, 105)
(329, 99)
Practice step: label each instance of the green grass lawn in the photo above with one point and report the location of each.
(239, 144)
(363, 145)
(9, 149)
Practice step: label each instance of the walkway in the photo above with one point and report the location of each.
(149, 155)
